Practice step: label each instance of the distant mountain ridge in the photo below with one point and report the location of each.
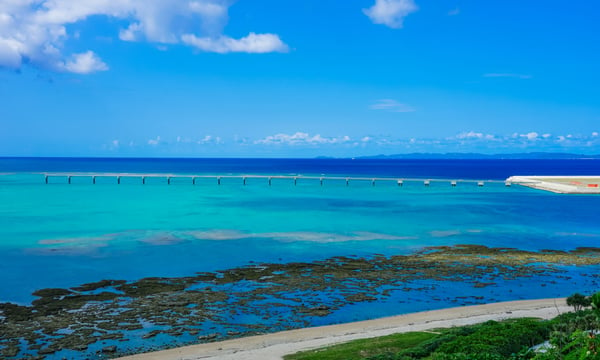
(525, 156)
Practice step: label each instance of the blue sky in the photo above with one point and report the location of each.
(270, 78)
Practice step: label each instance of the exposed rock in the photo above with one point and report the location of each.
(151, 334)
(208, 337)
(285, 296)
(109, 349)
(46, 351)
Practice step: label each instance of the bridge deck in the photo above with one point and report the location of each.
(295, 178)
(558, 184)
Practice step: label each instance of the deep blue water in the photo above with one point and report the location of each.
(497, 169)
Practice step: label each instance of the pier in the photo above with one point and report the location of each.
(169, 179)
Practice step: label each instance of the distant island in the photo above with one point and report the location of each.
(532, 155)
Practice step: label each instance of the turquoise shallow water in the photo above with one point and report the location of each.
(61, 235)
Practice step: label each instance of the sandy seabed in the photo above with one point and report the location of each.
(275, 346)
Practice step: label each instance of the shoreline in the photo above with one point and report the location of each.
(274, 346)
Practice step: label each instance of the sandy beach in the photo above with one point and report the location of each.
(275, 346)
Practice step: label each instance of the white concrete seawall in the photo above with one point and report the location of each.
(560, 184)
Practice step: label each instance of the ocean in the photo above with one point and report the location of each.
(61, 235)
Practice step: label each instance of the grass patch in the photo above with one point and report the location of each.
(365, 348)
(490, 340)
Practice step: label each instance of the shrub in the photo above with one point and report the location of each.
(497, 340)
(596, 301)
(579, 301)
(461, 356)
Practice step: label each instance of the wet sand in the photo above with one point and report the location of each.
(275, 346)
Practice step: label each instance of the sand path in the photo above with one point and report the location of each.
(274, 346)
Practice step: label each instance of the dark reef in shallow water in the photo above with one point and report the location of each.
(105, 316)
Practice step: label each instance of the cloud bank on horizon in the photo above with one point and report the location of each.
(303, 143)
(35, 31)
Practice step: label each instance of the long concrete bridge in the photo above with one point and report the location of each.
(69, 177)
(557, 184)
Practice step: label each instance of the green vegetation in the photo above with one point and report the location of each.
(495, 340)
(570, 336)
(578, 301)
(500, 340)
(367, 348)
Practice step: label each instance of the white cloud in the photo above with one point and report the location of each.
(508, 75)
(301, 138)
(390, 12)
(9, 53)
(532, 140)
(209, 139)
(154, 142)
(85, 63)
(469, 135)
(472, 135)
(204, 140)
(530, 136)
(208, 9)
(391, 105)
(183, 140)
(35, 31)
(253, 43)
(467, 141)
(130, 33)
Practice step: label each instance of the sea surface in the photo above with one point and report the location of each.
(61, 235)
